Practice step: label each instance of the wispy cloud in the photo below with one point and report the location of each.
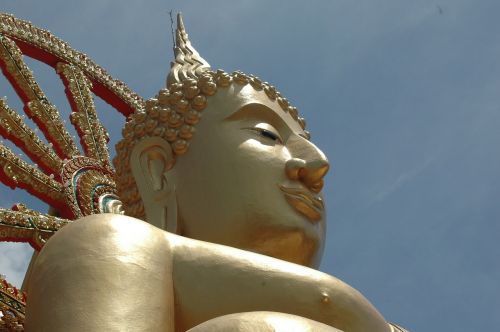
(14, 260)
(401, 180)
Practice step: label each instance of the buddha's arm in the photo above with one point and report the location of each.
(102, 273)
(262, 321)
(212, 280)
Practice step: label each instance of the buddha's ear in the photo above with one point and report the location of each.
(150, 160)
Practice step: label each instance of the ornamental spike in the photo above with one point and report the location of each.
(188, 62)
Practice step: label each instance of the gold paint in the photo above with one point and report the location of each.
(397, 328)
(27, 177)
(43, 113)
(220, 195)
(53, 182)
(31, 225)
(262, 321)
(325, 298)
(23, 30)
(167, 120)
(12, 307)
(84, 118)
(191, 86)
(289, 244)
(13, 127)
(304, 202)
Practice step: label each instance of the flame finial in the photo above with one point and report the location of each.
(188, 62)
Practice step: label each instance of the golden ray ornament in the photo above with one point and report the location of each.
(73, 183)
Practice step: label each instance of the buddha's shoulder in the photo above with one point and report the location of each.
(104, 232)
(105, 224)
(111, 232)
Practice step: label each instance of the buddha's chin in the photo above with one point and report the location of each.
(293, 246)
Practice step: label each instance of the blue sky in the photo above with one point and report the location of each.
(402, 96)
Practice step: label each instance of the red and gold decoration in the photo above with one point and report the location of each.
(73, 183)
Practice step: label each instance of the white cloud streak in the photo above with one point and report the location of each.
(14, 260)
(403, 179)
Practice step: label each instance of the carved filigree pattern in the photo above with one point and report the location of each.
(85, 180)
(60, 51)
(12, 127)
(16, 173)
(44, 114)
(24, 225)
(93, 136)
(74, 185)
(12, 307)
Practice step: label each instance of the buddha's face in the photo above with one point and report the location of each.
(251, 179)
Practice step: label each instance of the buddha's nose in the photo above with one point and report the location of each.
(309, 167)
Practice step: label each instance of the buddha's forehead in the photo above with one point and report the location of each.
(244, 102)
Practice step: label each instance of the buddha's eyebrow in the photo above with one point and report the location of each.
(258, 112)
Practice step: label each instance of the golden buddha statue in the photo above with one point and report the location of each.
(217, 221)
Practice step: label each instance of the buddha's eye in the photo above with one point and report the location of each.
(268, 132)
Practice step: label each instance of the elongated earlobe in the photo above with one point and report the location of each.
(153, 166)
(150, 161)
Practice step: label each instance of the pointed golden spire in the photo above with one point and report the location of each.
(188, 62)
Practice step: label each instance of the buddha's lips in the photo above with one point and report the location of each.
(304, 202)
